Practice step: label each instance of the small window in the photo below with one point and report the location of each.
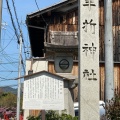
(76, 112)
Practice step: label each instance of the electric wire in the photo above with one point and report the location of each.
(8, 74)
(8, 25)
(8, 71)
(16, 15)
(8, 32)
(27, 43)
(6, 45)
(13, 53)
(9, 37)
(6, 55)
(9, 63)
(8, 79)
(3, 53)
(3, 67)
(23, 65)
(19, 26)
(40, 14)
(8, 58)
(3, 35)
(23, 45)
(9, 85)
(12, 20)
(24, 24)
(36, 4)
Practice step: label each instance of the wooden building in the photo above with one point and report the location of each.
(55, 30)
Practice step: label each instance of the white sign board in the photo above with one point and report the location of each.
(43, 92)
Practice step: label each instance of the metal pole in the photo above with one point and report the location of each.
(79, 54)
(43, 114)
(19, 80)
(0, 18)
(109, 70)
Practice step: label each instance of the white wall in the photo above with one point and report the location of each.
(38, 65)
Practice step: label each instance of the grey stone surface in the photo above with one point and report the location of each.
(68, 97)
(89, 60)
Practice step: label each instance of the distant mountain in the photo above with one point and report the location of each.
(9, 89)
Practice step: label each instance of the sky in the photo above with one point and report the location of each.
(9, 47)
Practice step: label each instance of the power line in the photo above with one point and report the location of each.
(18, 25)
(11, 54)
(8, 25)
(12, 20)
(40, 14)
(23, 64)
(8, 85)
(17, 22)
(9, 35)
(6, 46)
(7, 79)
(23, 45)
(9, 63)
(17, 36)
(16, 14)
(3, 67)
(37, 4)
(19, 30)
(8, 71)
(7, 58)
(25, 42)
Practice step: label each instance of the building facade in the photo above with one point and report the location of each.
(53, 33)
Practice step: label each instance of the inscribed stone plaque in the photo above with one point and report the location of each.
(89, 60)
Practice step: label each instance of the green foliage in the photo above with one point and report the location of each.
(7, 100)
(112, 109)
(52, 115)
(34, 118)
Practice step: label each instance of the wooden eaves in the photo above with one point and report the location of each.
(50, 8)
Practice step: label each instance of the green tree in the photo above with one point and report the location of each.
(52, 115)
(8, 100)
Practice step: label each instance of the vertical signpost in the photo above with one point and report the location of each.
(88, 60)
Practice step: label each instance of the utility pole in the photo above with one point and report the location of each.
(109, 74)
(0, 18)
(19, 80)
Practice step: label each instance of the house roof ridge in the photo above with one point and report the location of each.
(47, 8)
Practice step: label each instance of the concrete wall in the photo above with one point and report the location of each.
(68, 98)
(38, 65)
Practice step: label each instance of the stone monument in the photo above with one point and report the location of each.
(89, 60)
